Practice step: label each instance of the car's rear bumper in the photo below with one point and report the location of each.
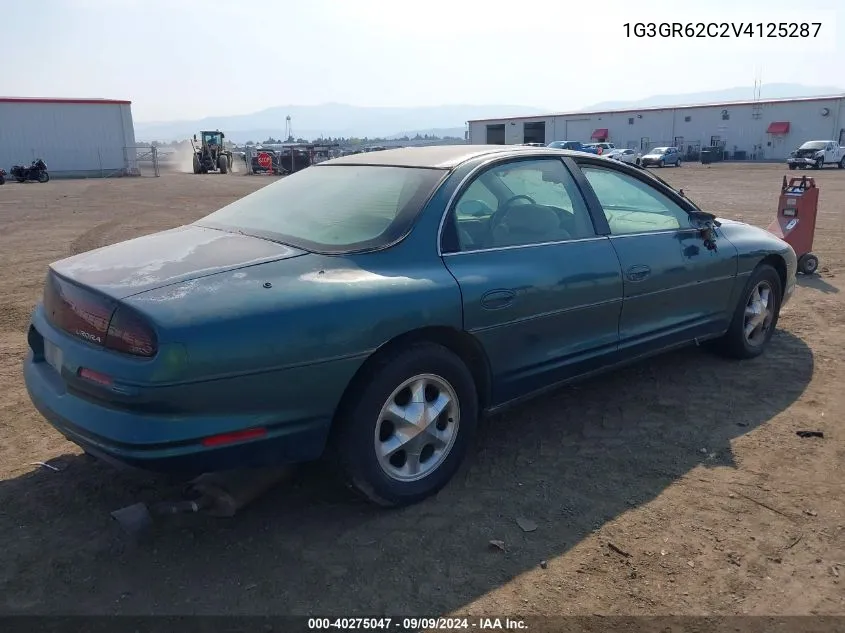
(150, 426)
(76, 418)
(153, 448)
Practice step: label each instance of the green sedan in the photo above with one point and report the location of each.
(371, 308)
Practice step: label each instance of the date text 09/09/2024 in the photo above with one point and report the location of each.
(416, 624)
(723, 29)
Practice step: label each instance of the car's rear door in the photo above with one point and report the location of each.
(541, 290)
(675, 289)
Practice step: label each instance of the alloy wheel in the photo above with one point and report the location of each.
(759, 313)
(417, 428)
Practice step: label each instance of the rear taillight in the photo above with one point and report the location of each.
(77, 311)
(97, 319)
(130, 334)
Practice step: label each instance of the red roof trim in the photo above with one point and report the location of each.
(600, 133)
(63, 100)
(722, 104)
(778, 127)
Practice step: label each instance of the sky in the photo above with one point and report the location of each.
(186, 59)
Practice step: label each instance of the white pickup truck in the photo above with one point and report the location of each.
(817, 154)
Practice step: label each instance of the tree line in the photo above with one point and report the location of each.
(328, 140)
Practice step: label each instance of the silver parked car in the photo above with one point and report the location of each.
(662, 156)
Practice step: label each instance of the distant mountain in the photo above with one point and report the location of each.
(768, 91)
(333, 120)
(341, 120)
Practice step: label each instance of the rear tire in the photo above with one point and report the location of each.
(842, 163)
(222, 164)
(758, 307)
(792, 167)
(386, 458)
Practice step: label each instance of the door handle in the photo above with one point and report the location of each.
(497, 299)
(637, 273)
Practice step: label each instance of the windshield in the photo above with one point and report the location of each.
(813, 145)
(658, 150)
(332, 208)
(558, 144)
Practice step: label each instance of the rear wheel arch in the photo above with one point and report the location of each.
(461, 343)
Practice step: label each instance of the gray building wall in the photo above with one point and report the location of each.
(84, 137)
(744, 130)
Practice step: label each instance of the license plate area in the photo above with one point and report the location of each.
(53, 356)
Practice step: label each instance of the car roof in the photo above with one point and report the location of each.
(440, 156)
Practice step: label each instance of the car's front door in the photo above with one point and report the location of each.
(676, 290)
(542, 292)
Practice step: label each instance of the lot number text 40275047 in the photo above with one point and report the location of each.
(723, 29)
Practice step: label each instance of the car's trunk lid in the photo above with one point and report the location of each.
(178, 255)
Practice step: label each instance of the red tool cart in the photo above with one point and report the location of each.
(796, 220)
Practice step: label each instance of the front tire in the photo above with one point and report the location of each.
(819, 163)
(755, 316)
(842, 163)
(43, 177)
(403, 436)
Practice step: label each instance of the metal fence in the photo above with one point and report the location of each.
(144, 160)
(87, 162)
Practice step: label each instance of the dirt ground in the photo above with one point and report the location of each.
(677, 486)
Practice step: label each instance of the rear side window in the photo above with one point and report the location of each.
(521, 203)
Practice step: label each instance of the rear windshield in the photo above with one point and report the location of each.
(814, 145)
(333, 208)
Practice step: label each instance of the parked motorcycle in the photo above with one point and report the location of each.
(36, 171)
(2, 176)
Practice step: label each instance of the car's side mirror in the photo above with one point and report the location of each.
(706, 223)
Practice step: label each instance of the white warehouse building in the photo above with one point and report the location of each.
(751, 130)
(75, 137)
